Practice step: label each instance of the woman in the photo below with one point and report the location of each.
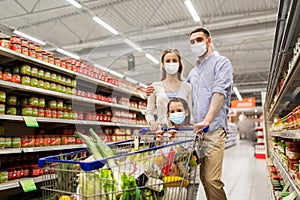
(170, 86)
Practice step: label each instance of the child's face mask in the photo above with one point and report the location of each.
(177, 117)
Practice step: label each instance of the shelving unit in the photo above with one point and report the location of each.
(15, 183)
(284, 86)
(83, 81)
(231, 136)
(285, 175)
(259, 148)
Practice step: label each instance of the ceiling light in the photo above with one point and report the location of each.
(74, 3)
(150, 57)
(29, 37)
(192, 10)
(237, 93)
(105, 25)
(133, 45)
(67, 53)
(131, 80)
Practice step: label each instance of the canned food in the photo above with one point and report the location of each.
(25, 80)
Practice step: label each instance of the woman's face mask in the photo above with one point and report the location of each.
(171, 68)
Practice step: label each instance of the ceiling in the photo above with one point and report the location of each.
(241, 30)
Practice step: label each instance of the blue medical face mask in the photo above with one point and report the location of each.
(177, 117)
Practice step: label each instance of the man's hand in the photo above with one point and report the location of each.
(199, 126)
(149, 90)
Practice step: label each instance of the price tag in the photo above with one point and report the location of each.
(30, 121)
(28, 185)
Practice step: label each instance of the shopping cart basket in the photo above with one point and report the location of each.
(158, 172)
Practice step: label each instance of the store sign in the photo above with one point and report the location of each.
(245, 103)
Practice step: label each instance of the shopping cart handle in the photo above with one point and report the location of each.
(205, 129)
(144, 130)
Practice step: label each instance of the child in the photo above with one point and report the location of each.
(179, 117)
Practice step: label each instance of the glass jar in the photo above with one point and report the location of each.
(11, 100)
(34, 72)
(25, 80)
(7, 75)
(25, 69)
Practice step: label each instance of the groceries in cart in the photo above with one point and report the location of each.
(101, 172)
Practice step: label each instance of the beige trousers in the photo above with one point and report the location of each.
(212, 154)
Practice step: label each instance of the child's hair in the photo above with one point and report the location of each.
(187, 120)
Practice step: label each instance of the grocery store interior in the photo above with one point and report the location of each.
(74, 73)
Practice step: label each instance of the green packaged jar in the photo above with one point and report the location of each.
(66, 114)
(25, 69)
(52, 104)
(2, 96)
(24, 102)
(58, 78)
(63, 89)
(73, 91)
(41, 102)
(41, 73)
(34, 72)
(7, 142)
(63, 80)
(16, 142)
(25, 80)
(16, 70)
(2, 142)
(34, 82)
(69, 106)
(58, 87)
(27, 111)
(73, 83)
(68, 90)
(11, 100)
(53, 77)
(53, 86)
(33, 101)
(2, 108)
(35, 112)
(68, 81)
(40, 83)
(60, 104)
(11, 110)
(47, 75)
(47, 85)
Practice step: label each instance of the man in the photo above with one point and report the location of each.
(211, 81)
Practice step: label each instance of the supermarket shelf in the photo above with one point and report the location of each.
(26, 88)
(19, 56)
(38, 149)
(70, 121)
(287, 178)
(289, 134)
(15, 183)
(289, 82)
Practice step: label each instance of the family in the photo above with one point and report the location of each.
(203, 99)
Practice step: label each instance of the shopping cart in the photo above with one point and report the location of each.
(158, 171)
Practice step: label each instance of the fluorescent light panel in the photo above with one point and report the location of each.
(192, 10)
(105, 25)
(150, 57)
(237, 93)
(133, 45)
(67, 53)
(29, 37)
(74, 3)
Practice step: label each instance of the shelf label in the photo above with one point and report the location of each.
(30, 121)
(28, 185)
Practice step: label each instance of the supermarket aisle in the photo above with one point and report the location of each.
(245, 177)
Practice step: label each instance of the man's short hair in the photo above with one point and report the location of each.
(201, 29)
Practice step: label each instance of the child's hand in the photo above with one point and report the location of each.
(159, 134)
(153, 125)
(172, 134)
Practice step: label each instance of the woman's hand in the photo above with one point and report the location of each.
(149, 90)
(153, 126)
(159, 134)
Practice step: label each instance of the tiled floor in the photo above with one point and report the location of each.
(245, 177)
